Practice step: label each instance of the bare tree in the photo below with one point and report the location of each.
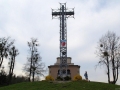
(13, 52)
(34, 66)
(3, 76)
(5, 44)
(109, 52)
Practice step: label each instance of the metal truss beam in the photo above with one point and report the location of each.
(62, 13)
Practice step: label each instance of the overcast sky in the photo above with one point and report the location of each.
(24, 19)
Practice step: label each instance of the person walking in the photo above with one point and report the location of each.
(86, 75)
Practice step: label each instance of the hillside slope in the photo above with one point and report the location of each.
(75, 85)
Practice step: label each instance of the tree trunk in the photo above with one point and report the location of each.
(108, 75)
(30, 73)
(13, 64)
(113, 67)
(1, 62)
(116, 73)
(108, 70)
(31, 63)
(10, 74)
(33, 71)
(33, 76)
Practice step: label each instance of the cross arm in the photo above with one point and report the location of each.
(60, 13)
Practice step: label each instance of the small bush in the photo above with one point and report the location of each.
(77, 77)
(59, 78)
(49, 78)
(67, 78)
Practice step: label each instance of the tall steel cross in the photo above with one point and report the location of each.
(62, 13)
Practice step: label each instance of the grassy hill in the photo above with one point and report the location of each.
(75, 85)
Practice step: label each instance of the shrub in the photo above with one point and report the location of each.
(59, 78)
(67, 78)
(49, 78)
(77, 77)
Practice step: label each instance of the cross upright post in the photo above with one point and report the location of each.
(62, 13)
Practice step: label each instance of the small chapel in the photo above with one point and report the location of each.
(72, 69)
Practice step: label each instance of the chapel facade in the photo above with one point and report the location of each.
(72, 69)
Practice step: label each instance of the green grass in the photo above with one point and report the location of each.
(74, 85)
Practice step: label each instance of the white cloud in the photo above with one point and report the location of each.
(88, 54)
